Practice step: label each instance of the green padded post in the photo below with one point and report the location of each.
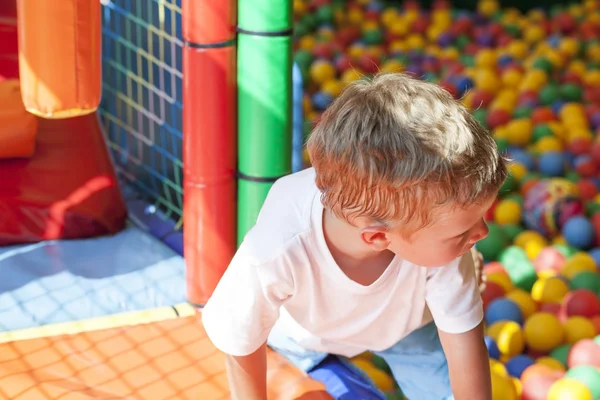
(264, 103)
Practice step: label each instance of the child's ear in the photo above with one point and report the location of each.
(375, 237)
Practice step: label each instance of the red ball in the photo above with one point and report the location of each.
(591, 94)
(494, 266)
(497, 117)
(595, 152)
(342, 63)
(584, 352)
(471, 49)
(580, 302)
(565, 23)
(527, 97)
(323, 50)
(420, 25)
(587, 189)
(536, 381)
(347, 35)
(591, 109)
(503, 40)
(462, 26)
(586, 168)
(368, 64)
(489, 215)
(491, 292)
(481, 98)
(541, 115)
(571, 77)
(450, 88)
(580, 146)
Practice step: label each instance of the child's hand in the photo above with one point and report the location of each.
(478, 261)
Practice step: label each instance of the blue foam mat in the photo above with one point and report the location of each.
(66, 280)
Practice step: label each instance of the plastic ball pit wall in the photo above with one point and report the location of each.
(532, 77)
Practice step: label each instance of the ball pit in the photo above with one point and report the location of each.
(533, 79)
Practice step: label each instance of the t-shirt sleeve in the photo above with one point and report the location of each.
(453, 296)
(244, 306)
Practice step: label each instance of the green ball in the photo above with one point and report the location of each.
(513, 30)
(509, 185)
(466, 59)
(512, 231)
(522, 112)
(303, 58)
(495, 242)
(571, 92)
(573, 176)
(591, 208)
(480, 115)
(502, 144)
(597, 340)
(588, 280)
(543, 64)
(561, 353)
(325, 14)
(516, 197)
(549, 94)
(589, 376)
(373, 37)
(529, 176)
(565, 250)
(540, 131)
(518, 267)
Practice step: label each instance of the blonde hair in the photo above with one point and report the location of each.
(393, 148)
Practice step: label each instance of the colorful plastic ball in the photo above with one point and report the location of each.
(498, 117)
(509, 338)
(507, 212)
(552, 164)
(517, 364)
(577, 328)
(503, 310)
(551, 362)
(549, 262)
(322, 71)
(589, 376)
(579, 232)
(582, 303)
(523, 299)
(492, 348)
(543, 331)
(549, 290)
(549, 204)
(491, 292)
(536, 380)
(520, 131)
(503, 387)
(321, 100)
(569, 389)
(587, 280)
(584, 352)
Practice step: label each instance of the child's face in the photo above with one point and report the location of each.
(453, 233)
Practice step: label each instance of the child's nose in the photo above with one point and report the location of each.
(480, 232)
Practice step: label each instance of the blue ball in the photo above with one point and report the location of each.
(463, 84)
(492, 348)
(504, 60)
(502, 309)
(579, 232)
(321, 100)
(552, 164)
(516, 365)
(557, 105)
(595, 253)
(522, 157)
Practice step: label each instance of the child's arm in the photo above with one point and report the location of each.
(247, 375)
(468, 364)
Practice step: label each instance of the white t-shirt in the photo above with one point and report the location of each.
(283, 273)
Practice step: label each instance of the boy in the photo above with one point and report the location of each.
(370, 248)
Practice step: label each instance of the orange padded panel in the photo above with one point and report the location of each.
(60, 56)
(172, 359)
(18, 128)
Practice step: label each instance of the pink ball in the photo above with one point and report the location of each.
(584, 352)
(549, 258)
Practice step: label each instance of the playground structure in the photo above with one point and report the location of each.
(93, 303)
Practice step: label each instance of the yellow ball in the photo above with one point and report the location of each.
(517, 170)
(548, 144)
(415, 41)
(569, 46)
(528, 236)
(512, 78)
(503, 388)
(523, 299)
(488, 7)
(503, 280)
(355, 15)
(569, 110)
(487, 80)
(593, 53)
(569, 389)
(351, 75)
(307, 42)
(543, 331)
(577, 328)
(518, 49)
(577, 67)
(321, 71)
(332, 87)
(532, 249)
(486, 58)
(392, 66)
(510, 339)
(398, 46)
(579, 133)
(577, 263)
(507, 212)
(592, 78)
(533, 34)
(496, 367)
(389, 16)
(549, 290)
(558, 129)
(519, 131)
(551, 362)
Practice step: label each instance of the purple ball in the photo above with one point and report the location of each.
(485, 39)
(445, 39)
(414, 70)
(595, 120)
